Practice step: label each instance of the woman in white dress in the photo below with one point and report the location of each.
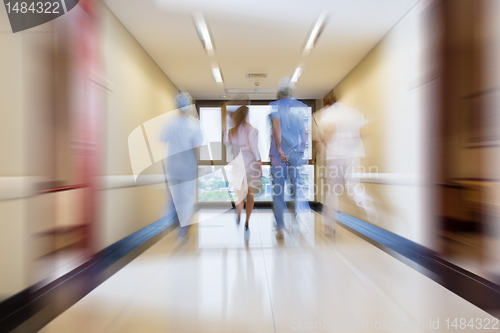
(247, 165)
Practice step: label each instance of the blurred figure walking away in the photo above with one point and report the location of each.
(183, 139)
(340, 128)
(288, 144)
(247, 165)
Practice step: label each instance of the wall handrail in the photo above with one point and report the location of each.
(62, 188)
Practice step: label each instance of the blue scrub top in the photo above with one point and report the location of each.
(291, 113)
(182, 136)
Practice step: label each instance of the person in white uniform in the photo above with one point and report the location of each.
(183, 138)
(340, 126)
(247, 165)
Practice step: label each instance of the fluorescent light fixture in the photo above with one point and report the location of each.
(296, 74)
(217, 74)
(203, 32)
(316, 31)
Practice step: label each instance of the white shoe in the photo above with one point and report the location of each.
(372, 216)
(182, 240)
(280, 234)
(371, 212)
(303, 222)
(302, 218)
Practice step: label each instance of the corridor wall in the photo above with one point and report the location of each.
(392, 86)
(137, 90)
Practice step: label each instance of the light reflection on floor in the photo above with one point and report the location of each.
(220, 281)
(222, 232)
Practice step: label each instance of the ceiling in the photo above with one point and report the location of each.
(258, 36)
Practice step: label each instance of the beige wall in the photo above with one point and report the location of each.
(133, 90)
(138, 90)
(11, 146)
(23, 132)
(388, 86)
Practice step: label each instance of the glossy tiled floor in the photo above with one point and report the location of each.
(222, 281)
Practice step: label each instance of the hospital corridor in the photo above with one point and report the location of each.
(249, 166)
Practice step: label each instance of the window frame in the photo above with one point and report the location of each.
(222, 104)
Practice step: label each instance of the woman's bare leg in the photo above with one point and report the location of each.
(250, 201)
(240, 201)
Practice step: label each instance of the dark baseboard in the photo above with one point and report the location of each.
(34, 307)
(471, 287)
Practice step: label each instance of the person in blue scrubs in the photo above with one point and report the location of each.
(289, 132)
(183, 138)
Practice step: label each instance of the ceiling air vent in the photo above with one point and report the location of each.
(256, 75)
(232, 91)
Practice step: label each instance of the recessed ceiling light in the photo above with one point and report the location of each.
(296, 74)
(217, 74)
(224, 96)
(316, 31)
(203, 32)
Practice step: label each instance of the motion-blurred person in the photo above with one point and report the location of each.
(287, 149)
(183, 139)
(340, 127)
(246, 171)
